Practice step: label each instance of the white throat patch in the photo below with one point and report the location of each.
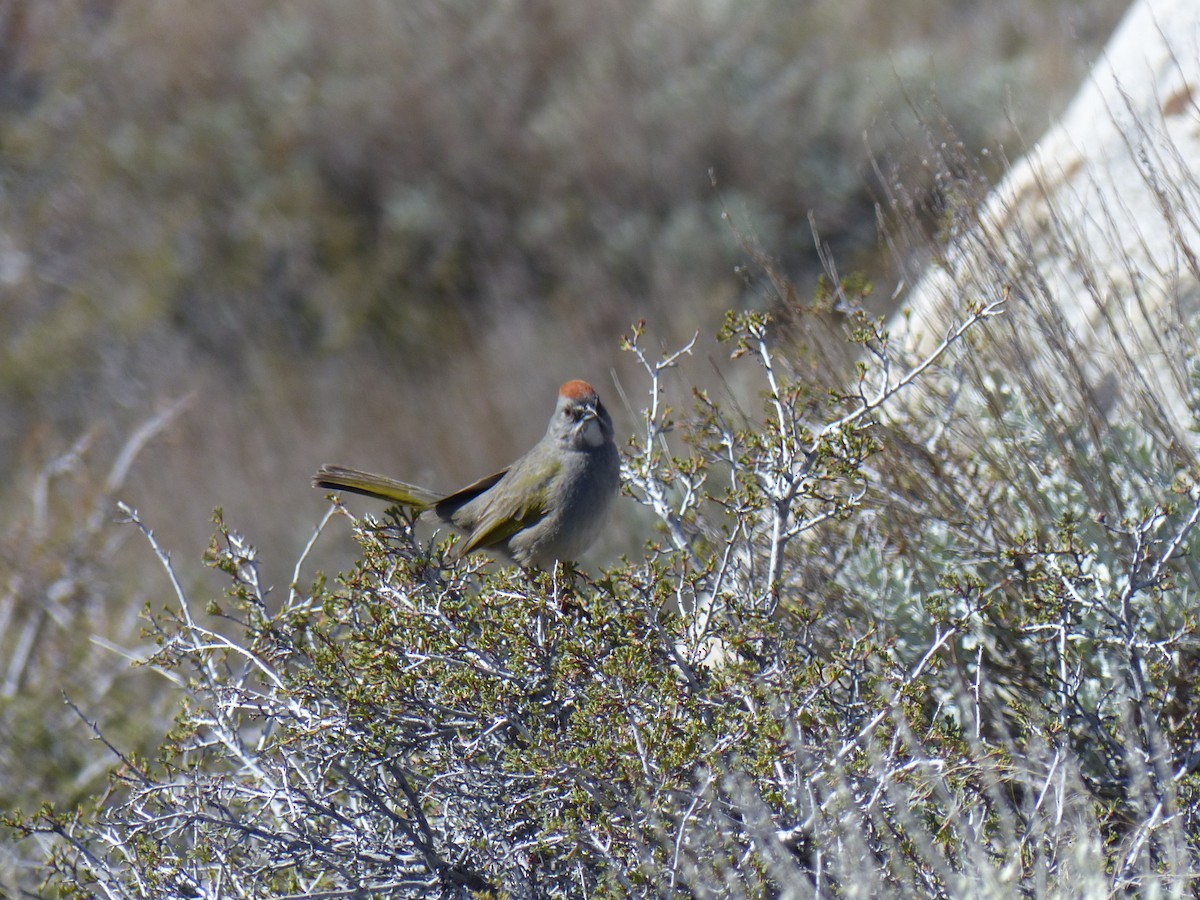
(592, 433)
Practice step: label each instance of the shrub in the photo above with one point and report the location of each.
(821, 682)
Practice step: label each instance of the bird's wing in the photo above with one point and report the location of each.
(447, 506)
(504, 516)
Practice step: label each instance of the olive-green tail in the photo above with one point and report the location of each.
(381, 487)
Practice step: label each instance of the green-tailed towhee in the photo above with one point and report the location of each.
(549, 505)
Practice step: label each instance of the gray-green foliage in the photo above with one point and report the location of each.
(777, 700)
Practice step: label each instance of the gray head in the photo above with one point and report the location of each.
(580, 421)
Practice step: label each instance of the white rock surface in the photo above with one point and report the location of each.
(1096, 232)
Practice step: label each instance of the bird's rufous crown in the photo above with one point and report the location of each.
(578, 391)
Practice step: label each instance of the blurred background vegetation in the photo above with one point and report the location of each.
(382, 233)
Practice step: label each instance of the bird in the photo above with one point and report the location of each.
(549, 506)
